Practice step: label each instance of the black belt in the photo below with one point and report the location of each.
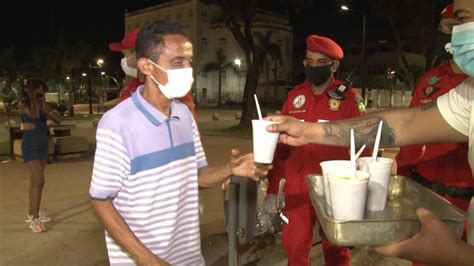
(442, 190)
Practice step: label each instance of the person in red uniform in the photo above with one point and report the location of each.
(311, 101)
(129, 66)
(440, 167)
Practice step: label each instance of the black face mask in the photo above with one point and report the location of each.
(318, 75)
(441, 39)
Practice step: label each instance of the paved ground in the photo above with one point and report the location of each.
(76, 238)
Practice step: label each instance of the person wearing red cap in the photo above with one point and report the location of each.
(442, 168)
(314, 100)
(128, 62)
(129, 66)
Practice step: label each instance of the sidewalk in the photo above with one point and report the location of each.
(75, 237)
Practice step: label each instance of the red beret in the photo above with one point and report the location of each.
(447, 12)
(323, 45)
(127, 42)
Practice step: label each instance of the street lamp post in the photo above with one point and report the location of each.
(70, 96)
(345, 8)
(89, 92)
(101, 95)
(238, 63)
(97, 64)
(105, 76)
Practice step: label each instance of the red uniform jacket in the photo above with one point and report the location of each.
(443, 163)
(294, 163)
(132, 85)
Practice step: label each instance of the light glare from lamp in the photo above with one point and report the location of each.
(237, 62)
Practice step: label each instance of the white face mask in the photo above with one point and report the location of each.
(129, 71)
(179, 81)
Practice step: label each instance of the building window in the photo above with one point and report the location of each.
(204, 13)
(190, 13)
(204, 75)
(204, 41)
(222, 42)
(179, 16)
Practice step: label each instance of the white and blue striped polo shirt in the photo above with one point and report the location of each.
(148, 164)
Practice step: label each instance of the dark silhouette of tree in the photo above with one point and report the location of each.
(237, 16)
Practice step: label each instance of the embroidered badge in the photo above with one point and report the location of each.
(334, 95)
(299, 101)
(430, 90)
(433, 80)
(334, 104)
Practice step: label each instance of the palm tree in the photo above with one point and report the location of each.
(71, 58)
(270, 53)
(8, 70)
(58, 62)
(219, 65)
(8, 66)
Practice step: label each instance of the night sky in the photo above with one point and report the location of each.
(98, 22)
(30, 23)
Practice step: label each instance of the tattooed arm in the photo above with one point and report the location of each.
(422, 124)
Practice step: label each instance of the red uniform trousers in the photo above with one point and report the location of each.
(302, 219)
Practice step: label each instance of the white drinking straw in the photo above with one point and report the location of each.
(377, 142)
(258, 107)
(352, 146)
(353, 159)
(359, 152)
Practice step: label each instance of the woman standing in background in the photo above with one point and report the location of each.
(34, 112)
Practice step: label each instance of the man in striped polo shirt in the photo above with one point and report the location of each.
(149, 160)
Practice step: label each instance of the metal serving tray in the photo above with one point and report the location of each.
(397, 222)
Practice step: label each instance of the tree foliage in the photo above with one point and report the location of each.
(220, 64)
(271, 54)
(413, 16)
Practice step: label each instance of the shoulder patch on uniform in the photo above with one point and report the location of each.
(299, 101)
(430, 90)
(433, 80)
